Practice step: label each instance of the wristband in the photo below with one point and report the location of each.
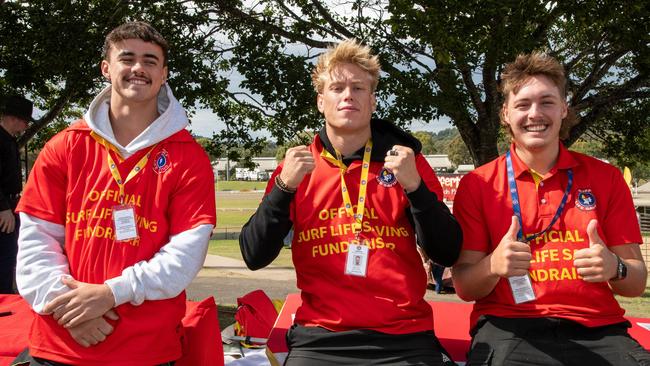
(283, 186)
(621, 269)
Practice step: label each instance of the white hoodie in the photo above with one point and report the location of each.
(42, 262)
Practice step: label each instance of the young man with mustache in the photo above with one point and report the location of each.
(116, 218)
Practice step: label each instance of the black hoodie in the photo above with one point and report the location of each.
(438, 232)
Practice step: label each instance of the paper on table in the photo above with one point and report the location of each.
(645, 326)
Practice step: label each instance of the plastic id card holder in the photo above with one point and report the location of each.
(356, 263)
(124, 223)
(522, 288)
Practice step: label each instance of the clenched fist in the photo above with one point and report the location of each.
(298, 162)
(401, 161)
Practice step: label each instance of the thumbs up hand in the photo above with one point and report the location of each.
(511, 257)
(596, 263)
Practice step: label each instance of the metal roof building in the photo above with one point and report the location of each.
(439, 161)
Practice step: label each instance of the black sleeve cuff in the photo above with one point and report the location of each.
(280, 199)
(422, 199)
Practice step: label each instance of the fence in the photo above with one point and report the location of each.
(644, 221)
(226, 233)
(645, 251)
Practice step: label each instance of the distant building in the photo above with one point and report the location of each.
(644, 188)
(439, 162)
(265, 164)
(464, 168)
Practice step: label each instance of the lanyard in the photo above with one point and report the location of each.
(113, 167)
(517, 208)
(363, 185)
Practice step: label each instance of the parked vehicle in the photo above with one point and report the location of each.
(251, 174)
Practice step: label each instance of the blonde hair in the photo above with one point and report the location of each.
(347, 52)
(525, 66)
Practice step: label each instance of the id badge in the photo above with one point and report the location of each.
(522, 288)
(124, 223)
(356, 263)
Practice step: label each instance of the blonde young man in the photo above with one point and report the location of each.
(116, 218)
(356, 197)
(550, 236)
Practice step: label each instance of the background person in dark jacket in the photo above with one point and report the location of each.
(15, 114)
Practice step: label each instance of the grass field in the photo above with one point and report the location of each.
(235, 203)
(240, 185)
(637, 306)
(230, 218)
(230, 249)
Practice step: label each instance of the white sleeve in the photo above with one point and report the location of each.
(41, 261)
(168, 273)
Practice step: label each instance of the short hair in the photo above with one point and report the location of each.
(135, 30)
(347, 52)
(525, 66)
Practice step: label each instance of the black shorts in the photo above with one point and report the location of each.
(552, 342)
(25, 359)
(314, 346)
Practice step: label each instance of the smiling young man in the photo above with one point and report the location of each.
(116, 217)
(356, 198)
(550, 236)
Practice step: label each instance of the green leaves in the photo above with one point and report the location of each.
(250, 62)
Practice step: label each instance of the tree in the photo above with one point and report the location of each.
(441, 58)
(303, 138)
(458, 152)
(625, 135)
(206, 144)
(250, 62)
(427, 140)
(50, 50)
(588, 145)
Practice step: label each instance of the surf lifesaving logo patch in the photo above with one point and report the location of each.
(386, 178)
(161, 163)
(586, 200)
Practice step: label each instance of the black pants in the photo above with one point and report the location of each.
(436, 272)
(552, 342)
(8, 251)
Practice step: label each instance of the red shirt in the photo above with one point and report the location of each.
(390, 299)
(71, 185)
(483, 207)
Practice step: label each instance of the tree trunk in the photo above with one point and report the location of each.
(54, 112)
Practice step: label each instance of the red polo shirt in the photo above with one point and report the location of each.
(483, 207)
